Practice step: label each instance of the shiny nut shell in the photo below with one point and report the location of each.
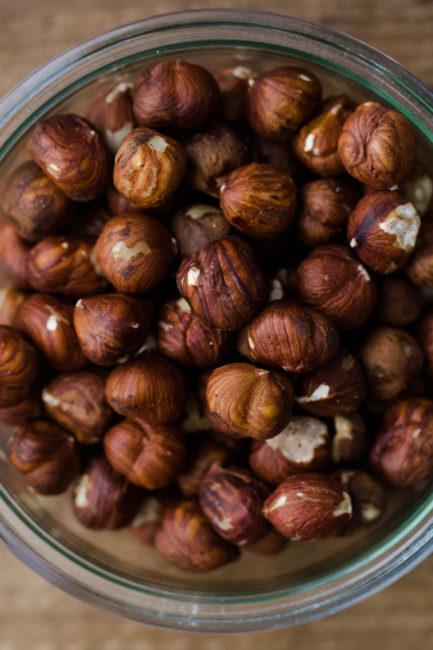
(19, 366)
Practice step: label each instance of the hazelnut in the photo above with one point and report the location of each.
(331, 280)
(382, 231)
(76, 401)
(13, 255)
(350, 441)
(233, 85)
(64, 265)
(418, 188)
(148, 387)
(19, 366)
(33, 202)
(223, 283)
(187, 339)
(280, 101)
(335, 388)
(399, 302)
(110, 326)
(196, 226)
(148, 167)
(205, 455)
(367, 496)
(91, 220)
(377, 146)
(326, 207)
(392, 359)
(232, 500)
(10, 301)
(420, 267)
(150, 456)
(290, 335)
(308, 507)
(302, 446)
(403, 450)
(186, 539)
(259, 200)
(117, 203)
(275, 153)
(147, 521)
(103, 499)
(45, 456)
(111, 113)
(175, 94)
(316, 144)
(48, 322)
(271, 544)
(425, 339)
(72, 154)
(214, 153)
(246, 401)
(134, 252)
(29, 407)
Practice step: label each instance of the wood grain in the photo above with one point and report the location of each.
(35, 615)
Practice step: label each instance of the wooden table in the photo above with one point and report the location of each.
(35, 615)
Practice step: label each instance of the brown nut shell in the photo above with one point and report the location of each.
(29, 407)
(246, 401)
(329, 201)
(134, 252)
(308, 507)
(72, 154)
(150, 456)
(205, 455)
(33, 202)
(148, 387)
(111, 326)
(45, 456)
(233, 85)
(147, 521)
(420, 266)
(14, 253)
(223, 283)
(195, 226)
(19, 366)
(76, 401)
(368, 498)
(10, 301)
(111, 113)
(350, 441)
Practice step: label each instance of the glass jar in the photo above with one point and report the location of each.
(110, 569)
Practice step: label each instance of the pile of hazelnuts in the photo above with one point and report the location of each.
(215, 327)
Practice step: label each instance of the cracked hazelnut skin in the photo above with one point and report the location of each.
(19, 366)
(29, 407)
(333, 281)
(186, 539)
(134, 252)
(111, 113)
(391, 359)
(148, 387)
(367, 495)
(49, 324)
(195, 226)
(14, 253)
(399, 302)
(72, 154)
(45, 456)
(148, 168)
(205, 455)
(33, 202)
(308, 507)
(382, 231)
(175, 95)
(232, 500)
(187, 339)
(259, 200)
(335, 388)
(150, 456)
(425, 339)
(403, 449)
(111, 326)
(214, 153)
(292, 336)
(223, 283)
(104, 499)
(377, 146)
(302, 446)
(76, 401)
(281, 101)
(10, 301)
(245, 401)
(64, 265)
(233, 85)
(326, 207)
(316, 144)
(350, 441)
